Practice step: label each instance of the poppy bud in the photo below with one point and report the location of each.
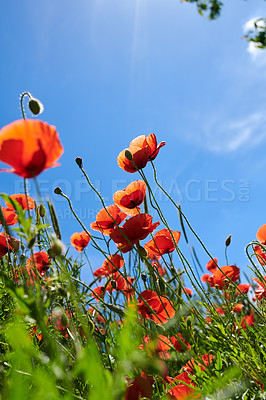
(57, 248)
(114, 284)
(189, 321)
(35, 106)
(79, 162)
(142, 252)
(31, 242)
(228, 241)
(42, 210)
(58, 190)
(144, 277)
(128, 155)
(161, 284)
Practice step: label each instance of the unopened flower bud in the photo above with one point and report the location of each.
(228, 241)
(144, 277)
(79, 162)
(58, 190)
(57, 248)
(113, 284)
(128, 155)
(35, 106)
(42, 210)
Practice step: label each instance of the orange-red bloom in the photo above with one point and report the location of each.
(181, 387)
(10, 216)
(221, 278)
(162, 243)
(106, 223)
(134, 229)
(40, 261)
(139, 387)
(205, 277)
(212, 265)
(29, 147)
(143, 149)
(110, 265)
(80, 240)
(22, 201)
(7, 242)
(260, 292)
(131, 197)
(190, 365)
(261, 234)
(261, 256)
(118, 282)
(242, 288)
(188, 291)
(151, 306)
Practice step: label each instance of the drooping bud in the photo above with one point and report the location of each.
(79, 162)
(113, 284)
(58, 190)
(128, 155)
(228, 240)
(144, 277)
(35, 106)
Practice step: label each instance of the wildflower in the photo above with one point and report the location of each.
(29, 147)
(181, 387)
(260, 292)
(162, 243)
(10, 216)
(212, 265)
(205, 278)
(243, 288)
(131, 197)
(7, 242)
(188, 291)
(118, 282)
(22, 201)
(110, 265)
(159, 309)
(260, 254)
(139, 387)
(261, 234)
(237, 308)
(80, 240)
(220, 278)
(142, 149)
(98, 293)
(220, 310)
(179, 343)
(134, 229)
(190, 365)
(40, 261)
(247, 320)
(106, 223)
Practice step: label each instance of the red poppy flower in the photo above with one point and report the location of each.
(131, 197)
(29, 147)
(181, 387)
(247, 320)
(106, 224)
(220, 310)
(22, 201)
(261, 256)
(190, 365)
(260, 292)
(118, 282)
(221, 280)
(243, 288)
(112, 264)
(98, 292)
(10, 216)
(261, 234)
(40, 261)
(143, 149)
(162, 243)
(139, 387)
(205, 277)
(80, 240)
(179, 343)
(159, 309)
(212, 265)
(7, 242)
(135, 229)
(237, 308)
(188, 291)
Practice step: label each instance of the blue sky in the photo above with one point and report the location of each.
(110, 70)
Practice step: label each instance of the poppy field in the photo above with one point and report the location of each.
(152, 322)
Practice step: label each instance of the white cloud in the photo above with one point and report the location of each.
(224, 135)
